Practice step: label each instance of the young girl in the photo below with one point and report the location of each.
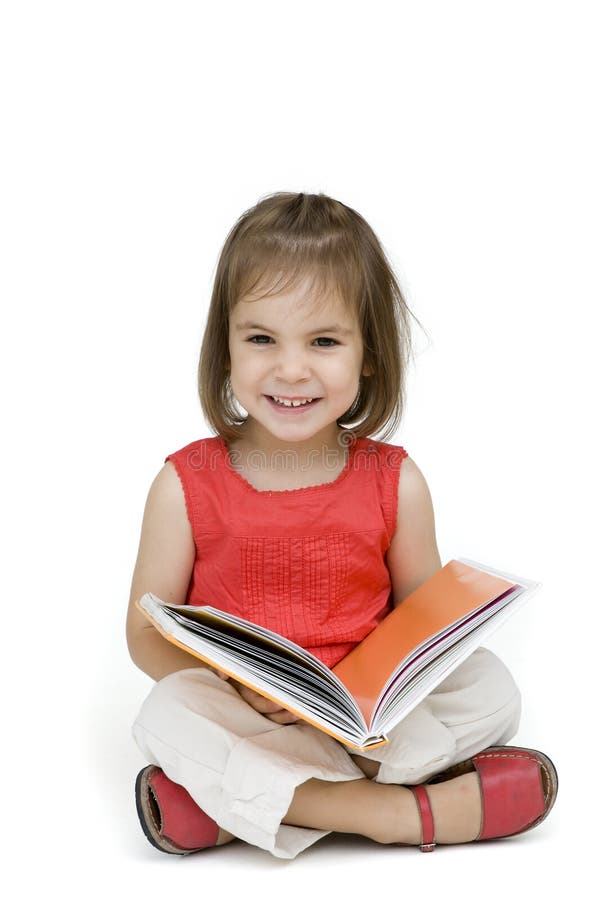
(294, 517)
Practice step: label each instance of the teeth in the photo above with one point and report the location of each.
(292, 402)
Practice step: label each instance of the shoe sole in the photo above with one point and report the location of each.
(146, 819)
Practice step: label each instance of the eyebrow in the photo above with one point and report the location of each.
(332, 329)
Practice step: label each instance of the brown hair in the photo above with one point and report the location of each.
(278, 242)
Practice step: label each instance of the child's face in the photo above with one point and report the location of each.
(285, 346)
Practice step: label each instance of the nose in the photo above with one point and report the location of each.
(292, 365)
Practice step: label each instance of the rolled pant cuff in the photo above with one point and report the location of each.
(254, 812)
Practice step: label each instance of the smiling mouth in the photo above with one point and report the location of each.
(283, 403)
(292, 401)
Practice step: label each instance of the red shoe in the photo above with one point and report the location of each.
(170, 819)
(518, 789)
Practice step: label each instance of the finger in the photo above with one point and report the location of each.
(260, 703)
(221, 675)
(283, 718)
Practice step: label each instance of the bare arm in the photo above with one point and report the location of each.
(164, 565)
(412, 556)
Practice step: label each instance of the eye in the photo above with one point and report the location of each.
(331, 341)
(252, 339)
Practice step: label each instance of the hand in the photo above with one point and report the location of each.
(271, 710)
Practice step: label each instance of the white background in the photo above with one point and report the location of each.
(134, 135)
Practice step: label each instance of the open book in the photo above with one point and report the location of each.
(377, 683)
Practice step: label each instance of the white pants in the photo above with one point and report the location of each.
(242, 768)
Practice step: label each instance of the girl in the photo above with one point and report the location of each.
(293, 516)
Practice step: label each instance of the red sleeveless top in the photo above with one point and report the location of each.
(308, 563)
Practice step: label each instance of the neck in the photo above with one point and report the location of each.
(323, 451)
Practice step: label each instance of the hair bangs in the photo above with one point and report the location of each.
(318, 277)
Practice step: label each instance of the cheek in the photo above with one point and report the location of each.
(345, 373)
(241, 360)
(245, 370)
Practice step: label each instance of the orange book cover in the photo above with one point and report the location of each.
(449, 595)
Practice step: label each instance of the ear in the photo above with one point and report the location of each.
(367, 369)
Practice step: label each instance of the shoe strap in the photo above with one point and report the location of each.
(426, 817)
